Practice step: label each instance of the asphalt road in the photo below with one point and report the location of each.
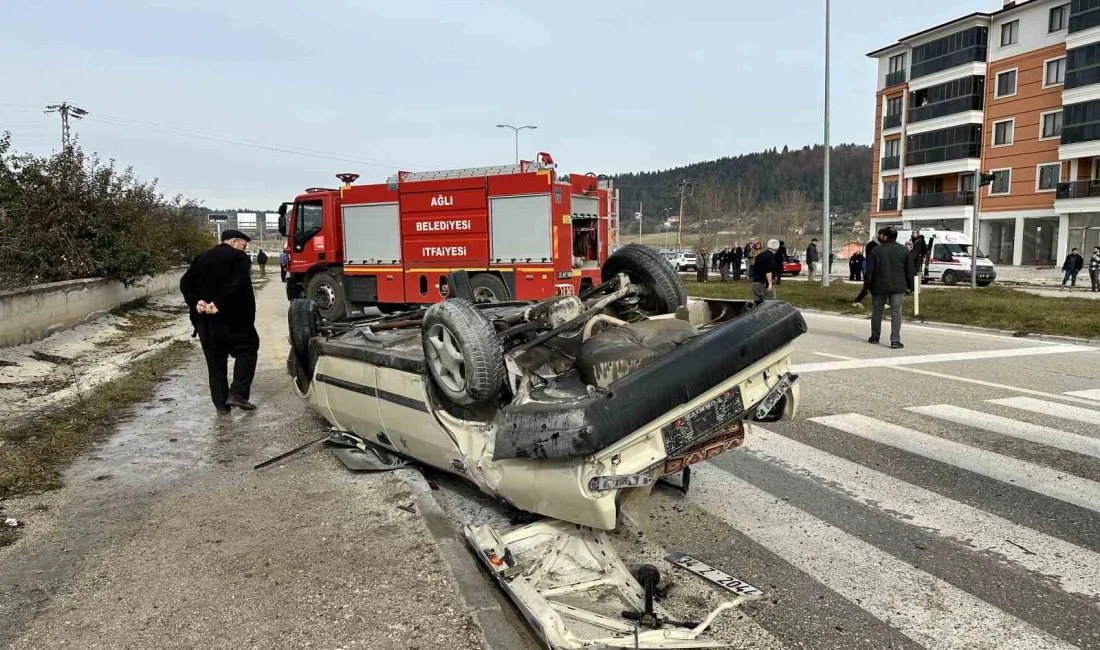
(941, 496)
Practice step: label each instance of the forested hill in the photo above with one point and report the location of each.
(770, 173)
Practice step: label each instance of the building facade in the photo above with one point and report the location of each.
(1014, 93)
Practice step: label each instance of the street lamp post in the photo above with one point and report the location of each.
(825, 225)
(516, 130)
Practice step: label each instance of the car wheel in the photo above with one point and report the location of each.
(302, 321)
(464, 354)
(950, 278)
(488, 288)
(661, 290)
(327, 292)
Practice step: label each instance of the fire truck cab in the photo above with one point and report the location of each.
(520, 233)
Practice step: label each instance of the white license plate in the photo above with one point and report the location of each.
(720, 578)
(774, 395)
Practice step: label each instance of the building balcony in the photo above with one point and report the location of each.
(888, 205)
(891, 121)
(950, 107)
(1077, 196)
(1084, 20)
(940, 200)
(890, 163)
(895, 78)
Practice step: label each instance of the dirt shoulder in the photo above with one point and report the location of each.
(165, 537)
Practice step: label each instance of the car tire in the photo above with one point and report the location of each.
(487, 287)
(302, 323)
(327, 292)
(663, 293)
(463, 351)
(950, 278)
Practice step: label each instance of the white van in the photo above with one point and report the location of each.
(950, 260)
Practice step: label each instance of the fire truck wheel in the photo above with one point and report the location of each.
(302, 321)
(662, 292)
(488, 288)
(463, 351)
(326, 291)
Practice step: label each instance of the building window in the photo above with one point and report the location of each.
(966, 182)
(897, 63)
(1002, 180)
(1003, 132)
(1006, 84)
(1010, 33)
(1058, 18)
(892, 148)
(890, 189)
(1048, 177)
(949, 51)
(1052, 125)
(893, 106)
(1054, 73)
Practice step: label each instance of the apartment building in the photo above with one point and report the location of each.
(1015, 93)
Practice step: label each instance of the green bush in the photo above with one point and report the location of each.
(70, 215)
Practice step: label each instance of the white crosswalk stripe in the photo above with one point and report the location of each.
(1065, 440)
(928, 610)
(1077, 568)
(1093, 394)
(1037, 478)
(1064, 411)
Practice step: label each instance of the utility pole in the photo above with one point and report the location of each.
(980, 180)
(826, 225)
(684, 184)
(638, 218)
(66, 110)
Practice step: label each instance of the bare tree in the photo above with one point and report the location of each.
(711, 203)
(791, 212)
(744, 204)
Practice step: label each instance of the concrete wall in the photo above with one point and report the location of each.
(32, 313)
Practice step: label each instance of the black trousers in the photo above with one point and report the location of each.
(221, 340)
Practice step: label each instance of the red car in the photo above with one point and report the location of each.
(792, 266)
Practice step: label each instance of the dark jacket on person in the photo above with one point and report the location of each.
(856, 261)
(221, 275)
(920, 246)
(811, 254)
(1074, 262)
(890, 269)
(762, 264)
(780, 259)
(261, 257)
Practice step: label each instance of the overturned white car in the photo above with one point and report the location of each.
(571, 408)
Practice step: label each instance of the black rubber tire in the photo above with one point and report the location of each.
(336, 311)
(302, 323)
(984, 283)
(664, 292)
(950, 278)
(478, 343)
(487, 282)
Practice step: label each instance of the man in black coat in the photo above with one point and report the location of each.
(737, 257)
(919, 251)
(866, 260)
(889, 278)
(780, 260)
(218, 289)
(1071, 267)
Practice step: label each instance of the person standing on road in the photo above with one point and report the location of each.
(284, 262)
(855, 267)
(737, 256)
(1070, 268)
(217, 288)
(780, 260)
(724, 259)
(1094, 268)
(890, 277)
(763, 273)
(261, 259)
(812, 258)
(866, 258)
(919, 251)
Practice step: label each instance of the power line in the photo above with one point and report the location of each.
(66, 111)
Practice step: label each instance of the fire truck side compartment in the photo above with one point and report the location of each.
(521, 228)
(372, 234)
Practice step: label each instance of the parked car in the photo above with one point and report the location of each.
(792, 266)
(571, 408)
(683, 261)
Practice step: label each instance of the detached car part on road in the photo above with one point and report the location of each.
(572, 408)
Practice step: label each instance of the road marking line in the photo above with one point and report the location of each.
(1076, 567)
(979, 382)
(886, 362)
(1088, 416)
(932, 612)
(927, 328)
(1029, 476)
(1048, 436)
(1093, 394)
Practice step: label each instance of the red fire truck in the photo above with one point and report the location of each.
(520, 233)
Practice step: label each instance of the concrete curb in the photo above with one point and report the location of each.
(1054, 338)
(481, 597)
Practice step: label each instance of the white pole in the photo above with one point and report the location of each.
(974, 230)
(916, 295)
(826, 226)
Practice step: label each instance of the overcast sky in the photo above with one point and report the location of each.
(613, 85)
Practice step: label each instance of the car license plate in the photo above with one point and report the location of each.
(720, 578)
(703, 421)
(706, 450)
(774, 395)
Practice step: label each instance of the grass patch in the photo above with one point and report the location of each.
(37, 451)
(128, 307)
(993, 307)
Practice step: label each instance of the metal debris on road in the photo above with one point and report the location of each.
(12, 522)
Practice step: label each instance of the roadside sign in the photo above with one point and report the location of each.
(219, 218)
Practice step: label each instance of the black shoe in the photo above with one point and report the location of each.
(242, 404)
(873, 339)
(223, 410)
(896, 346)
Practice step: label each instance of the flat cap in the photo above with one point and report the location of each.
(234, 234)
